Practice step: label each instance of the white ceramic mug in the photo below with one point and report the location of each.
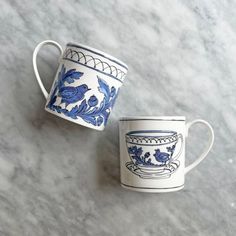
(86, 84)
(152, 152)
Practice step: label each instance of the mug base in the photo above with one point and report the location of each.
(152, 190)
(99, 128)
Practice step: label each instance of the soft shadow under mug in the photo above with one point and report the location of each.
(86, 84)
(152, 152)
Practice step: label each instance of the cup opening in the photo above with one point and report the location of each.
(151, 133)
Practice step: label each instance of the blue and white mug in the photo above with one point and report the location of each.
(152, 152)
(86, 84)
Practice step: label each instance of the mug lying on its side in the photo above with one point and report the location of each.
(86, 84)
(152, 152)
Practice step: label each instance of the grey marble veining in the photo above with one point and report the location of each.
(60, 179)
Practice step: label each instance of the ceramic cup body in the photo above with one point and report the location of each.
(86, 86)
(152, 153)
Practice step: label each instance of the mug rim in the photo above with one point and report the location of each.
(98, 52)
(158, 118)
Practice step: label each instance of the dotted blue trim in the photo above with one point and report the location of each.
(151, 145)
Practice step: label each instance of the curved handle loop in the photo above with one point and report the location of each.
(180, 137)
(36, 50)
(207, 150)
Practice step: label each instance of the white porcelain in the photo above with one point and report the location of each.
(152, 152)
(86, 84)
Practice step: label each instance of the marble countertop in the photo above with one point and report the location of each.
(60, 179)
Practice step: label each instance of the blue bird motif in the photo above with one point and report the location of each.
(161, 156)
(71, 94)
(91, 110)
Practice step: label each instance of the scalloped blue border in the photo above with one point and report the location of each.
(92, 68)
(99, 54)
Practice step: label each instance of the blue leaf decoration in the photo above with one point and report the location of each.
(99, 120)
(72, 75)
(89, 119)
(102, 105)
(103, 88)
(69, 73)
(70, 80)
(62, 72)
(136, 154)
(82, 106)
(76, 75)
(114, 99)
(75, 110)
(92, 111)
(64, 111)
(53, 100)
(61, 76)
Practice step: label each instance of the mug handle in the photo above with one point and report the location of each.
(207, 150)
(35, 53)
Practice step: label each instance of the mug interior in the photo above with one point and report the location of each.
(151, 133)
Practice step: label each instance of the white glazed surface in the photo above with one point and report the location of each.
(59, 178)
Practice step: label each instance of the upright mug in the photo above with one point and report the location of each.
(152, 152)
(86, 84)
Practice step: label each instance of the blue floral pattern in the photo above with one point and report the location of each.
(139, 159)
(89, 109)
(136, 154)
(154, 154)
